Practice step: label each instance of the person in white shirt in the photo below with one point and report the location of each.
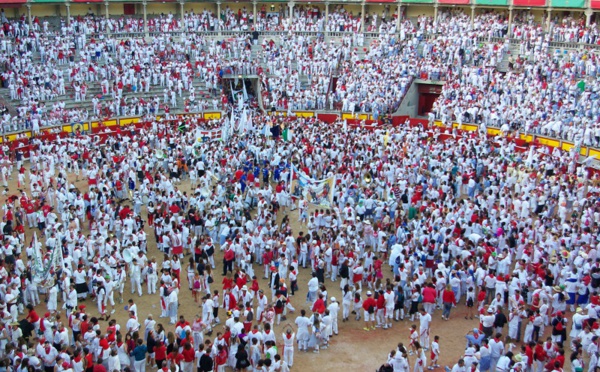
(303, 323)
(288, 345)
(313, 286)
(334, 308)
(503, 364)
(390, 300)
(458, 367)
(132, 324)
(424, 328)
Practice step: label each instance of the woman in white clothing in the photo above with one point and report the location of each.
(346, 302)
(114, 363)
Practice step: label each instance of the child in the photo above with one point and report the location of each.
(357, 305)
(470, 302)
(414, 336)
(435, 352)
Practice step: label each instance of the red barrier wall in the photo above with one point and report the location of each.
(328, 118)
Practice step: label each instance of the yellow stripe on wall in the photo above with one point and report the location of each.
(128, 121)
(212, 115)
(308, 114)
(548, 142)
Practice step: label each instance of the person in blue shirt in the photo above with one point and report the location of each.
(265, 173)
(139, 356)
(277, 174)
(474, 337)
(243, 181)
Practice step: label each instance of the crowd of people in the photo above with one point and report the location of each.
(420, 221)
(413, 226)
(45, 69)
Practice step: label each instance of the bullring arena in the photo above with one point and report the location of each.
(306, 186)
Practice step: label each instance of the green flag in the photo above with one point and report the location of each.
(581, 85)
(287, 135)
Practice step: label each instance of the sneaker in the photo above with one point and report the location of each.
(430, 368)
(366, 329)
(410, 352)
(112, 311)
(373, 328)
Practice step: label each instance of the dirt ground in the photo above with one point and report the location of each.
(353, 349)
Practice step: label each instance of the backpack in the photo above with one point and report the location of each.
(398, 261)
(250, 316)
(279, 304)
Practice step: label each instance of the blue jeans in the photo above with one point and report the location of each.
(447, 308)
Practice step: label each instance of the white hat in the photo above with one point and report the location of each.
(332, 299)
(369, 293)
(244, 288)
(490, 310)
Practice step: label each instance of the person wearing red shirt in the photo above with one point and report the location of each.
(319, 305)
(160, 354)
(429, 298)
(33, 317)
(221, 358)
(540, 355)
(449, 299)
(481, 298)
(189, 357)
(369, 306)
(380, 308)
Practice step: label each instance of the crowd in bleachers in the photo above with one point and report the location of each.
(46, 65)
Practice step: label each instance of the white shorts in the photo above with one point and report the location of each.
(368, 316)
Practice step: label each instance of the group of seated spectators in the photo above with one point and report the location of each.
(43, 68)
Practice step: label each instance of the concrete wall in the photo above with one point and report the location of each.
(166, 8)
(409, 105)
(44, 10)
(413, 11)
(200, 7)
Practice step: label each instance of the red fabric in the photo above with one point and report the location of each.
(370, 301)
(529, 3)
(448, 296)
(429, 295)
(319, 306)
(160, 352)
(188, 355)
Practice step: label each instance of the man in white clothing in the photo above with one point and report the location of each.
(288, 345)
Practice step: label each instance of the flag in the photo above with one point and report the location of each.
(581, 85)
(249, 123)
(208, 135)
(287, 134)
(243, 119)
(244, 88)
(266, 131)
